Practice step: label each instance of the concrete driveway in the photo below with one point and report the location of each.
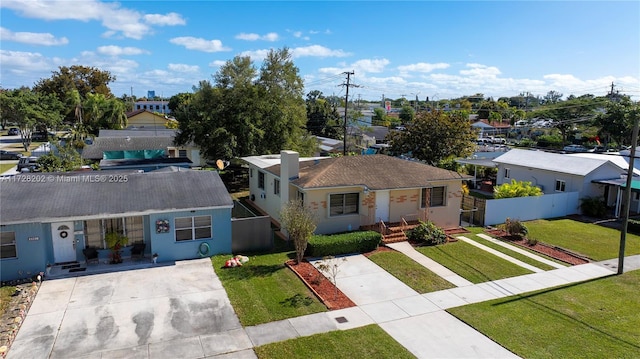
(168, 311)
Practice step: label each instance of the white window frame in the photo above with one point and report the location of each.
(12, 244)
(261, 179)
(344, 204)
(561, 185)
(193, 228)
(276, 187)
(507, 172)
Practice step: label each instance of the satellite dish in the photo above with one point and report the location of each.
(221, 164)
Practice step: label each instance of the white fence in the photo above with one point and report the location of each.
(530, 208)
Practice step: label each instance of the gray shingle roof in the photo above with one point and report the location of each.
(377, 172)
(101, 144)
(149, 192)
(555, 162)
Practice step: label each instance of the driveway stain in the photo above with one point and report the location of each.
(144, 326)
(101, 294)
(194, 318)
(106, 328)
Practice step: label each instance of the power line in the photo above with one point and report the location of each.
(346, 105)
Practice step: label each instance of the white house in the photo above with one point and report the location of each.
(554, 173)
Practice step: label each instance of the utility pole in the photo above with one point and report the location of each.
(627, 193)
(346, 105)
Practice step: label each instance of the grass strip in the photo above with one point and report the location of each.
(364, 342)
(416, 276)
(472, 263)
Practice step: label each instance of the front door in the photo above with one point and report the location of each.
(64, 247)
(382, 206)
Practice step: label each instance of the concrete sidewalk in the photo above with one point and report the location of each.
(521, 251)
(501, 255)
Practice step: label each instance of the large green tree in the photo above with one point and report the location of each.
(245, 112)
(323, 118)
(435, 136)
(83, 79)
(616, 123)
(101, 112)
(30, 111)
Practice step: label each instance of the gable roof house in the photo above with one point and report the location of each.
(555, 173)
(145, 119)
(179, 214)
(347, 193)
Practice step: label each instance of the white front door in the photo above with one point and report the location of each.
(64, 248)
(382, 206)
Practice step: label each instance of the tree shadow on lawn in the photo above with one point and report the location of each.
(530, 299)
(249, 271)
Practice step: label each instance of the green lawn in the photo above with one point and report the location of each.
(472, 263)
(265, 290)
(4, 167)
(365, 342)
(5, 298)
(597, 242)
(509, 252)
(409, 272)
(595, 319)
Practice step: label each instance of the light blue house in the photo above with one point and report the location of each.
(50, 218)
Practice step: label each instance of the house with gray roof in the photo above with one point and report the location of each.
(178, 214)
(149, 149)
(556, 173)
(350, 192)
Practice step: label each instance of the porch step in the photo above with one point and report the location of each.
(394, 237)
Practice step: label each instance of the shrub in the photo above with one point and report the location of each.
(427, 233)
(593, 207)
(343, 243)
(516, 189)
(532, 241)
(633, 226)
(515, 228)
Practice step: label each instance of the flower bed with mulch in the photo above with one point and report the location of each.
(558, 253)
(320, 285)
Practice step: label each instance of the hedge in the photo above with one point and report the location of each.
(343, 243)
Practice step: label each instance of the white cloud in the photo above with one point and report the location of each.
(32, 38)
(19, 62)
(317, 51)
(272, 36)
(360, 67)
(170, 19)
(115, 18)
(423, 67)
(297, 34)
(256, 55)
(199, 44)
(217, 63)
(113, 50)
(479, 70)
(183, 68)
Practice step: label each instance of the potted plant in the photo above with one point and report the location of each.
(115, 242)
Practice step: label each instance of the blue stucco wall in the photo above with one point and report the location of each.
(32, 255)
(169, 250)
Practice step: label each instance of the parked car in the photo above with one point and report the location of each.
(13, 131)
(575, 148)
(28, 164)
(8, 155)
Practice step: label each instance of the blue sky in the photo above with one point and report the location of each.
(442, 49)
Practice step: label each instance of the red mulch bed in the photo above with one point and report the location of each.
(553, 252)
(320, 285)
